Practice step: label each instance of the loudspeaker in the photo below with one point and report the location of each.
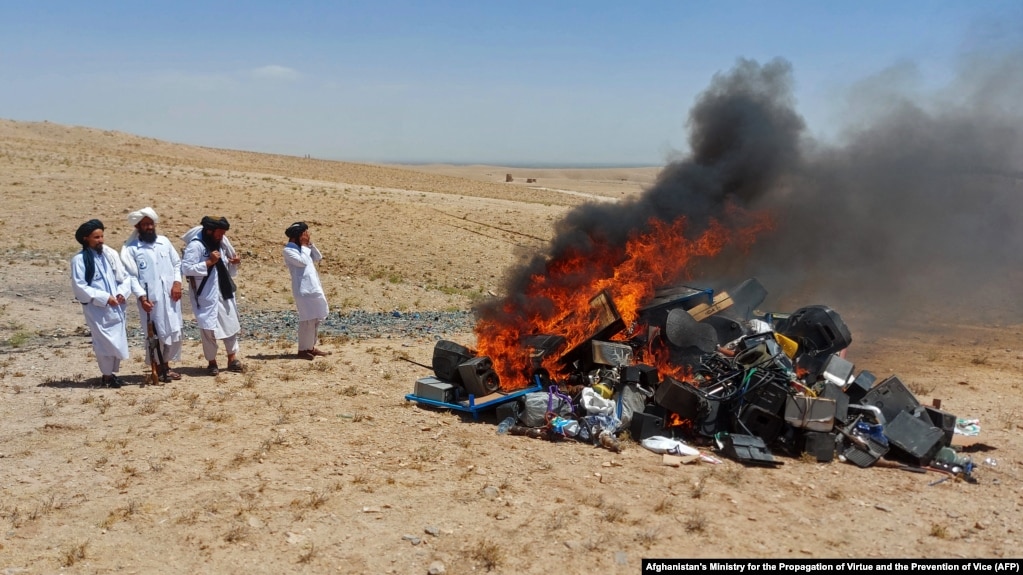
(820, 445)
(818, 329)
(678, 397)
(647, 423)
(642, 375)
(760, 422)
(447, 356)
(478, 376)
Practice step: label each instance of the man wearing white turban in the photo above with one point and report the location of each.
(101, 285)
(155, 269)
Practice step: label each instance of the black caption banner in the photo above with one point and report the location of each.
(758, 566)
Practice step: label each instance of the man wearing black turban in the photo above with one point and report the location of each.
(101, 285)
(301, 256)
(209, 263)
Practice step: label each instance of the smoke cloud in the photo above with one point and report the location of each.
(913, 213)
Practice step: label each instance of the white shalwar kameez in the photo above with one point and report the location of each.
(307, 291)
(156, 266)
(217, 317)
(106, 322)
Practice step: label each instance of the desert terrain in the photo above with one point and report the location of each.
(325, 467)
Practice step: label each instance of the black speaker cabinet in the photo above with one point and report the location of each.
(478, 376)
(678, 397)
(447, 356)
(647, 423)
(641, 374)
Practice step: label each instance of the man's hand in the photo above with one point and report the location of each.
(121, 300)
(147, 305)
(175, 293)
(214, 258)
(235, 260)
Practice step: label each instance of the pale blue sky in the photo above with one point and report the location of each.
(555, 82)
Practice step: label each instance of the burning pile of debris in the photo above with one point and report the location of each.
(587, 343)
(706, 368)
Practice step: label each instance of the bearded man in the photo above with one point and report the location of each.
(209, 262)
(155, 269)
(101, 285)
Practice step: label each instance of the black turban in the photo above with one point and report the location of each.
(215, 223)
(86, 230)
(295, 230)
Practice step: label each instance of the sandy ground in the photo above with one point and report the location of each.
(324, 466)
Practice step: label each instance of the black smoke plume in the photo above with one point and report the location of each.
(915, 212)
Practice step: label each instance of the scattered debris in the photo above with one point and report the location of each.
(710, 370)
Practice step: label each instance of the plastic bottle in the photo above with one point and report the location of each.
(505, 425)
(946, 455)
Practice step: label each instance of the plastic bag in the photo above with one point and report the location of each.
(534, 412)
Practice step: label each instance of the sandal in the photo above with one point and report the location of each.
(212, 369)
(306, 354)
(236, 366)
(169, 374)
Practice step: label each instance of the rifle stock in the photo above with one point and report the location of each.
(154, 347)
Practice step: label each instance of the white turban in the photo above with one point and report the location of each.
(146, 212)
(134, 218)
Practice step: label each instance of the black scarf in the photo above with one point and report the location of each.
(89, 259)
(224, 281)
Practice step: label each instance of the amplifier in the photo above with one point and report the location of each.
(436, 390)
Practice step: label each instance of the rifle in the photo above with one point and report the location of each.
(154, 347)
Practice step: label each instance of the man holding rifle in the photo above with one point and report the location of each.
(155, 269)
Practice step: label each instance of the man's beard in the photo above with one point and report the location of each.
(208, 241)
(147, 237)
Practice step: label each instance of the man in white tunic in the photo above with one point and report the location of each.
(101, 285)
(301, 257)
(155, 269)
(209, 263)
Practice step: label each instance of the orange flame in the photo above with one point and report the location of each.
(560, 297)
(675, 421)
